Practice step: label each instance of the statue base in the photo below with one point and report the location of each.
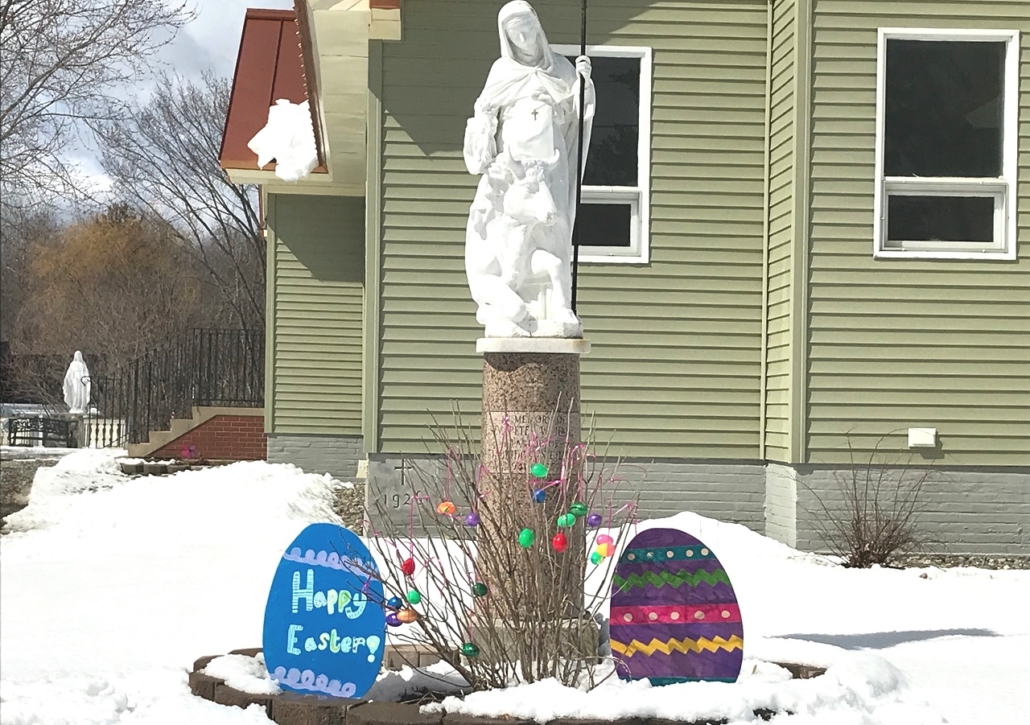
(531, 417)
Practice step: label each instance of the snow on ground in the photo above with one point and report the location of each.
(110, 587)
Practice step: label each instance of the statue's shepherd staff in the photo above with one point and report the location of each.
(579, 155)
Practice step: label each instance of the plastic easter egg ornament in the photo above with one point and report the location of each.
(674, 614)
(324, 628)
(594, 520)
(566, 520)
(446, 508)
(539, 470)
(560, 543)
(480, 589)
(407, 615)
(605, 549)
(414, 596)
(472, 519)
(526, 538)
(393, 620)
(394, 603)
(605, 539)
(596, 558)
(578, 510)
(408, 567)
(470, 650)
(539, 495)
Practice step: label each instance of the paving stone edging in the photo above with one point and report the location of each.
(288, 708)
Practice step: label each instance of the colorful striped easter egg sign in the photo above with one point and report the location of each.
(674, 615)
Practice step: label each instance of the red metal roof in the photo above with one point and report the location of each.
(268, 68)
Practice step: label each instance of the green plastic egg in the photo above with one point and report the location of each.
(538, 469)
(479, 589)
(596, 558)
(414, 597)
(470, 650)
(526, 538)
(566, 520)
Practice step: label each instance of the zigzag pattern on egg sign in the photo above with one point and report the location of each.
(674, 614)
(674, 645)
(675, 580)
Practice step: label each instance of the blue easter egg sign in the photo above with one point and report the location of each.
(325, 627)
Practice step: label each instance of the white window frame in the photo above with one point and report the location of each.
(637, 197)
(1002, 189)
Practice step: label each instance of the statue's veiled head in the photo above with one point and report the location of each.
(522, 36)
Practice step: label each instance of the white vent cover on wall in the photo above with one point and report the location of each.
(922, 437)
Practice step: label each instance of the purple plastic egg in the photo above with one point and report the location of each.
(594, 520)
(392, 620)
(472, 519)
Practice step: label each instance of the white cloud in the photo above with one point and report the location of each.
(212, 40)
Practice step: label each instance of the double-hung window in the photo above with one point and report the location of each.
(946, 144)
(613, 221)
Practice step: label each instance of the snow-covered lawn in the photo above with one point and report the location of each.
(110, 587)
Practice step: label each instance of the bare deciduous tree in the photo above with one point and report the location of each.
(165, 160)
(115, 283)
(62, 65)
(20, 229)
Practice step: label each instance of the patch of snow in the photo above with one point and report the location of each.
(34, 452)
(243, 673)
(289, 138)
(91, 461)
(112, 586)
(392, 686)
(855, 685)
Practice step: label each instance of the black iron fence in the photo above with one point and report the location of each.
(220, 368)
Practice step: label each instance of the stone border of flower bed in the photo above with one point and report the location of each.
(288, 708)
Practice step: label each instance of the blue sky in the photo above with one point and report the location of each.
(211, 41)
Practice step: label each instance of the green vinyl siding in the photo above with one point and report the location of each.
(316, 272)
(781, 230)
(676, 362)
(907, 342)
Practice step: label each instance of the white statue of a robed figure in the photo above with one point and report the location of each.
(77, 385)
(522, 139)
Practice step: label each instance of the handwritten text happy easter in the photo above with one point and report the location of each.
(335, 603)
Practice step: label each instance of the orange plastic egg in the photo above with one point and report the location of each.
(407, 615)
(446, 508)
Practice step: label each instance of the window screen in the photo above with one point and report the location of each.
(940, 218)
(605, 225)
(613, 156)
(944, 109)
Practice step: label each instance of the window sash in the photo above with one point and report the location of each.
(996, 189)
(629, 196)
(1002, 189)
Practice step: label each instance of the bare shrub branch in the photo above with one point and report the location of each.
(872, 515)
(528, 627)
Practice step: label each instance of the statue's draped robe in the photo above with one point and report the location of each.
(505, 132)
(77, 385)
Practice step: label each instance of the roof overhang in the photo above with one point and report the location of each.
(268, 68)
(334, 40)
(330, 71)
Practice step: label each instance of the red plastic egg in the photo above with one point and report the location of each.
(408, 567)
(560, 543)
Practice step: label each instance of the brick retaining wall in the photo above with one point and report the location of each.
(222, 438)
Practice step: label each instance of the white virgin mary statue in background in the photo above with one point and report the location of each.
(77, 385)
(523, 140)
